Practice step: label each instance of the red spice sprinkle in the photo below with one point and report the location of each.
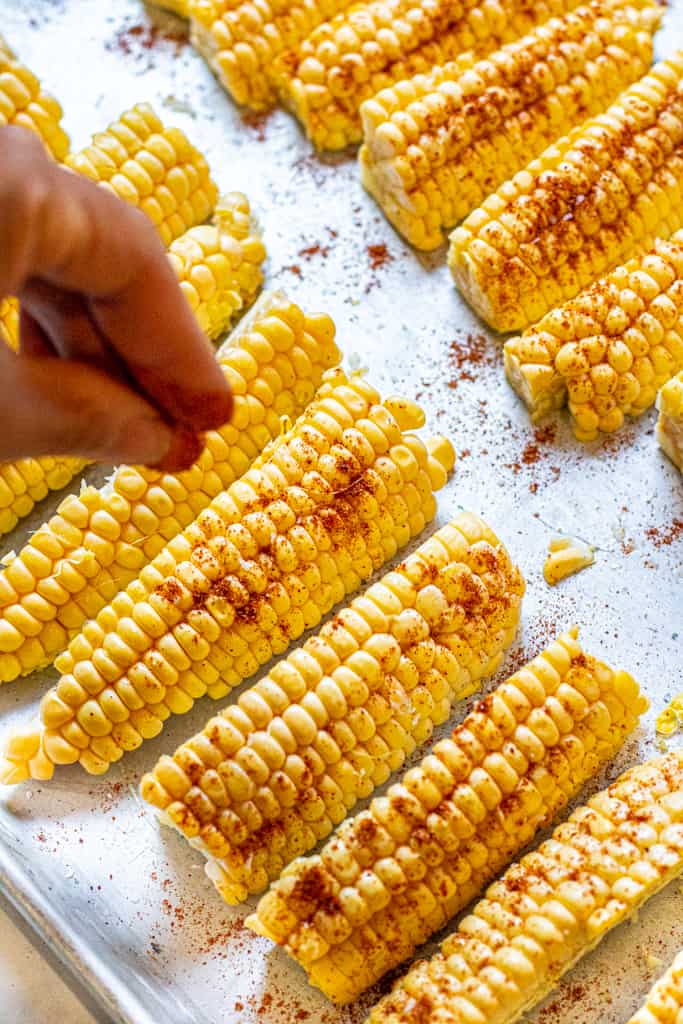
(256, 123)
(663, 536)
(379, 256)
(146, 37)
(314, 250)
(294, 269)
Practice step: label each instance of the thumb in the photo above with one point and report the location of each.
(56, 407)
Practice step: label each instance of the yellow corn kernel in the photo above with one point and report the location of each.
(606, 352)
(362, 693)
(9, 322)
(218, 265)
(555, 905)
(664, 1003)
(24, 103)
(98, 542)
(437, 145)
(566, 556)
(670, 422)
(592, 200)
(318, 512)
(401, 869)
(241, 41)
(152, 167)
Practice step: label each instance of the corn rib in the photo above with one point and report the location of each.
(608, 351)
(352, 705)
(588, 203)
(152, 167)
(241, 40)
(324, 507)
(24, 103)
(664, 1004)
(98, 541)
(396, 873)
(552, 907)
(436, 146)
(670, 422)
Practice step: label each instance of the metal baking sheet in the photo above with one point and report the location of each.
(125, 904)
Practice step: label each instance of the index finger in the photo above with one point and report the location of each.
(66, 230)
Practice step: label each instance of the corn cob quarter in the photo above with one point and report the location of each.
(587, 204)
(27, 481)
(152, 167)
(324, 507)
(436, 146)
(24, 102)
(664, 1004)
(241, 40)
(552, 907)
(349, 707)
(608, 351)
(670, 422)
(219, 264)
(396, 873)
(99, 541)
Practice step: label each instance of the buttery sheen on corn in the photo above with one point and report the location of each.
(98, 541)
(152, 167)
(664, 1004)
(437, 145)
(608, 351)
(24, 103)
(219, 265)
(553, 907)
(670, 422)
(372, 46)
(271, 775)
(397, 872)
(241, 40)
(589, 202)
(323, 508)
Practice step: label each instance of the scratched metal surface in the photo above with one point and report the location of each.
(125, 904)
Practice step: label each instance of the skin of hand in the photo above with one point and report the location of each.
(111, 363)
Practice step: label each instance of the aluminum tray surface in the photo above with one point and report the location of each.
(125, 903)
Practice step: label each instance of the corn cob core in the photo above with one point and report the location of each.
(323, 508)
(664, 1004)
(98, 541)
(9, 321)
(436, 146)
(584, 206)
(179, 7)
(241, 40)
(608, 351)
(554, 906)
(268, 777)
(670, 422)
(152, 167)
(219, 264)
(396, 873)
(24, 103)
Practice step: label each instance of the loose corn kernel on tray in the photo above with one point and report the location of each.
(126, 904)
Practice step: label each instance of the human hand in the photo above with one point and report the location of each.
(111, 364)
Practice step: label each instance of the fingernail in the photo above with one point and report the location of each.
(185, 448)
(202, 410)
(145, 441)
